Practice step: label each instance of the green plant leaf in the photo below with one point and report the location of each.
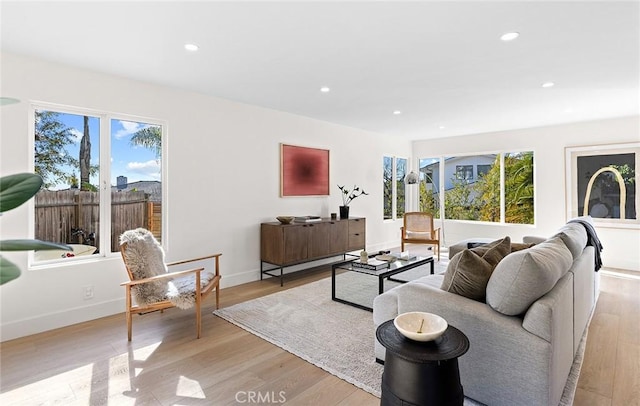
(8, 271)
(27, 245)
(17, 189)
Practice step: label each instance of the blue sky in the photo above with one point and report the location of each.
(136, 163)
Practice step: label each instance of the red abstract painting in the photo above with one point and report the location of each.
(303, 171)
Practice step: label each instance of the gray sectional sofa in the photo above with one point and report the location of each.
(525, 334)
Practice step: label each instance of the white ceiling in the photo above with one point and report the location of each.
(441, 64)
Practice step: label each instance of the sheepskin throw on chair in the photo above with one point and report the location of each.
(145, 258)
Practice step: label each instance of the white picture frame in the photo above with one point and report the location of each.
(602, 181)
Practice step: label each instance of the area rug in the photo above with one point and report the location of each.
(335, 337)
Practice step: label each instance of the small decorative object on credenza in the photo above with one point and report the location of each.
(285, 219)
(347, 197)
(306, 219)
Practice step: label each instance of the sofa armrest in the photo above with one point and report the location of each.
(387, 305)
(552, 312)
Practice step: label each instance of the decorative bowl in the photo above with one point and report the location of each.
(285, 219)
(420, 326)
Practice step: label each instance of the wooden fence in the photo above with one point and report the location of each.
(58, 213)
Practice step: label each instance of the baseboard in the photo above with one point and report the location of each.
(235, 279)
(54, 320)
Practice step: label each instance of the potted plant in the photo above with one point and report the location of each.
(14, 191)
(347, 197)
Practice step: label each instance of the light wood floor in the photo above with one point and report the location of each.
(92, 363)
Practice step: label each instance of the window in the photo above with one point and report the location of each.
(394, 171)
(518, 187)
(401, 172)
(483, 170)
(95, 186)
(503, 191)
(464, 172)
(429, 186)
(387, 188)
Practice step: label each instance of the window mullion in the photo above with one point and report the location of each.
(441, 188)
(105, 184)
(502, 190)
(394, 189)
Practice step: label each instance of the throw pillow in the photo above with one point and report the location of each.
(469, 271)
(574, 237)
(525, 276)
(475, 244)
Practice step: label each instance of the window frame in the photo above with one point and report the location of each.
(104, 177)
(573, 201)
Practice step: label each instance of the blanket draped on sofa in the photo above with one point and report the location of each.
(592, 240)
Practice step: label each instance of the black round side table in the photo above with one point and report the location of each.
(421, 373)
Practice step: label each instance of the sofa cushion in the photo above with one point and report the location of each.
(471, 245)
(418, 235)
(468, 272)
(460, 246)
(533, 239)
(515, 246)
(519, 246)
(574, 237)
(524, 276)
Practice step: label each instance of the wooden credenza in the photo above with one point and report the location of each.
(284, 245)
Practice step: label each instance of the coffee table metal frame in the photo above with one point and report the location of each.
(394, 268)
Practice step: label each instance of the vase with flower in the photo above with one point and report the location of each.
(348, 195)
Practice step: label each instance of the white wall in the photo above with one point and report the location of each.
(548, 144)
(223, 182)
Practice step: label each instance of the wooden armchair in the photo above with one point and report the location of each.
(153, 287)
(418, 229)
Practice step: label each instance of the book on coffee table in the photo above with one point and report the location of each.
(395, 256)
(372, 264)
(388, 257)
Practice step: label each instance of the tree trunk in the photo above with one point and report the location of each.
(85, 156)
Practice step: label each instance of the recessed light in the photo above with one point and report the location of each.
(442, 127)
(548, 84)
(510, 36)
(397, 112)
(325, 89)
(191, 47)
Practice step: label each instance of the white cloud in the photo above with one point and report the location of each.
(77, 135)
(128, 128)
(150, 168)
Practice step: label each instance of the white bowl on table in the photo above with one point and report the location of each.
(420, 326)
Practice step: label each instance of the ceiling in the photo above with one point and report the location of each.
(441, 64)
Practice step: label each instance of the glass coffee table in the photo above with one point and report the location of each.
(362, 287)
